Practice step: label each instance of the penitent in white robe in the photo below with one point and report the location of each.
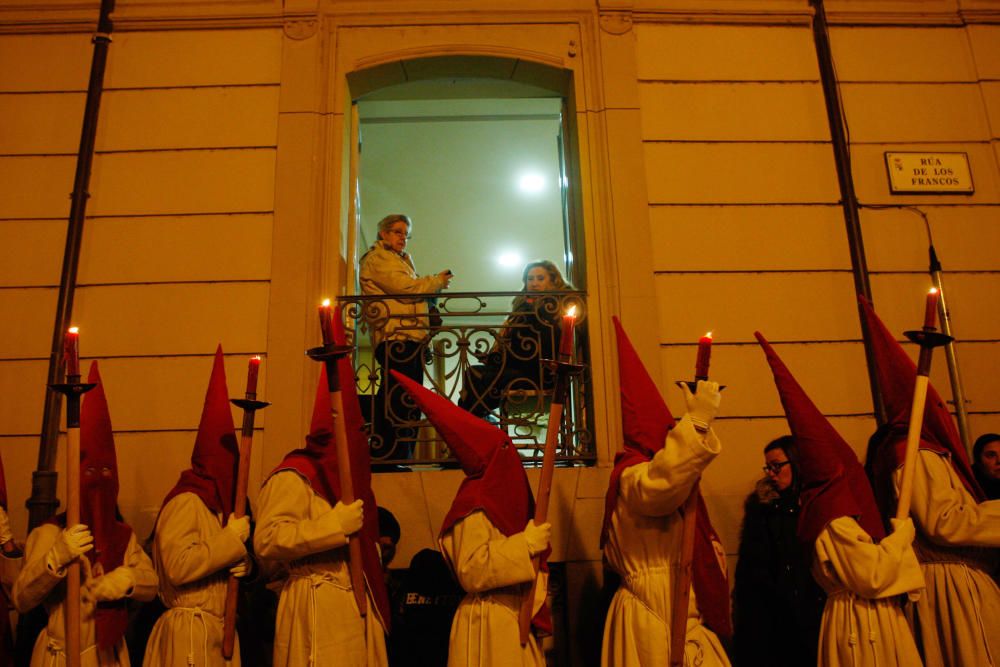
(958, 618)
(863, 623)
(192, 554)
(644, 548)
(318, 620)
(494, 570)
(37, 584)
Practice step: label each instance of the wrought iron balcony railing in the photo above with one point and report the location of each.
(481, 350)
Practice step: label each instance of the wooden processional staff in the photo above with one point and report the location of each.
(73, 390)
(927, 338)
(250, 405)
(682, 590)
(563, 368)
(329, 353)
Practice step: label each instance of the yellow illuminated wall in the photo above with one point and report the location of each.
(707, 190)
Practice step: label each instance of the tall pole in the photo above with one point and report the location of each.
(43, 503)
(848, 199)
(954, 375)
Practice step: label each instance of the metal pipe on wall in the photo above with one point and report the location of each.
(43, 502)
(848, 198)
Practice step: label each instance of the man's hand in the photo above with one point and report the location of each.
(115, 585)
(350, 516)
(71, 543)
(703, 405)
(538, 537)
(239, 526)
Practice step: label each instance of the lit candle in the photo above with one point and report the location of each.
(326, 322)
(566, 338)
(704, 356)
(930, 312)
(71, 351)
(252, 370)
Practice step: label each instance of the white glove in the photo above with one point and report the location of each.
(71, 543)
(350, 516)
(904, 528)
(5, 533)
(703, 405)
(115, 585)
(537, 537)
(241, 569)
(240, 527)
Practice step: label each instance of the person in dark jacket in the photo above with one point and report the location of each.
(986, 464)
(777, 606)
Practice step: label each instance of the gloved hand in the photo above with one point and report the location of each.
(703, 405)
(241, 568)
(240, 527)
(71, 543)
(114, 585)
(537, 537)
(904, 528)
(350, 516)
(5, 533)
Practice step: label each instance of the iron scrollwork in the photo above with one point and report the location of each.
(481, 350)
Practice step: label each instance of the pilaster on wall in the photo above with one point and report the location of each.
(299, 238)
(631, 279)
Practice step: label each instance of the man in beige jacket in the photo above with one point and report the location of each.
(400, 329)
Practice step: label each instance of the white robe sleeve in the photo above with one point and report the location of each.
(943, 508)
(869, 570)
(284, 531)
(659, 487)
(483, 559)
(187, 554)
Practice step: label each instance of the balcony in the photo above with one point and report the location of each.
(481, 350)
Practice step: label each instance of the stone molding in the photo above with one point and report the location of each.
(615, 16)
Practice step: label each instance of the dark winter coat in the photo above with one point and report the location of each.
(777, 605)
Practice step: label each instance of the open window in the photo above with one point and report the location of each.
(477, 152)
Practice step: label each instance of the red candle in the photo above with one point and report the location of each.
(566, 338)
(704, 356)
(252, 370)
(930, 312)
(326, 322)
(71, 351)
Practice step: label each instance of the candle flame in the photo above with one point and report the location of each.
(933, 290)
(256, 358)
(708, 335)
(326, 303)
(74, 330)
(571, 311)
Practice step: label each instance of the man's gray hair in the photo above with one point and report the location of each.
(388, 221)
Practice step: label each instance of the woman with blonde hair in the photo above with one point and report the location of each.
(530, 334)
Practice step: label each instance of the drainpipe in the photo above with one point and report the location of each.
(848, 199)
(43, 502)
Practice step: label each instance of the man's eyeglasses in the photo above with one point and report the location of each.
(775, 467)
(401, 232)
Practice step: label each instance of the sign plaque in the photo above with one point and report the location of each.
(929, 173)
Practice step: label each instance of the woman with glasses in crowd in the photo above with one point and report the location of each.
(777, 606)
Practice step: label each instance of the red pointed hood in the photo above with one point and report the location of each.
(99, 500)
(646, 422)
(833, 481)
(897, 377)
(215, 459)
(317, 463)
(495, 481)
(646, 419)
